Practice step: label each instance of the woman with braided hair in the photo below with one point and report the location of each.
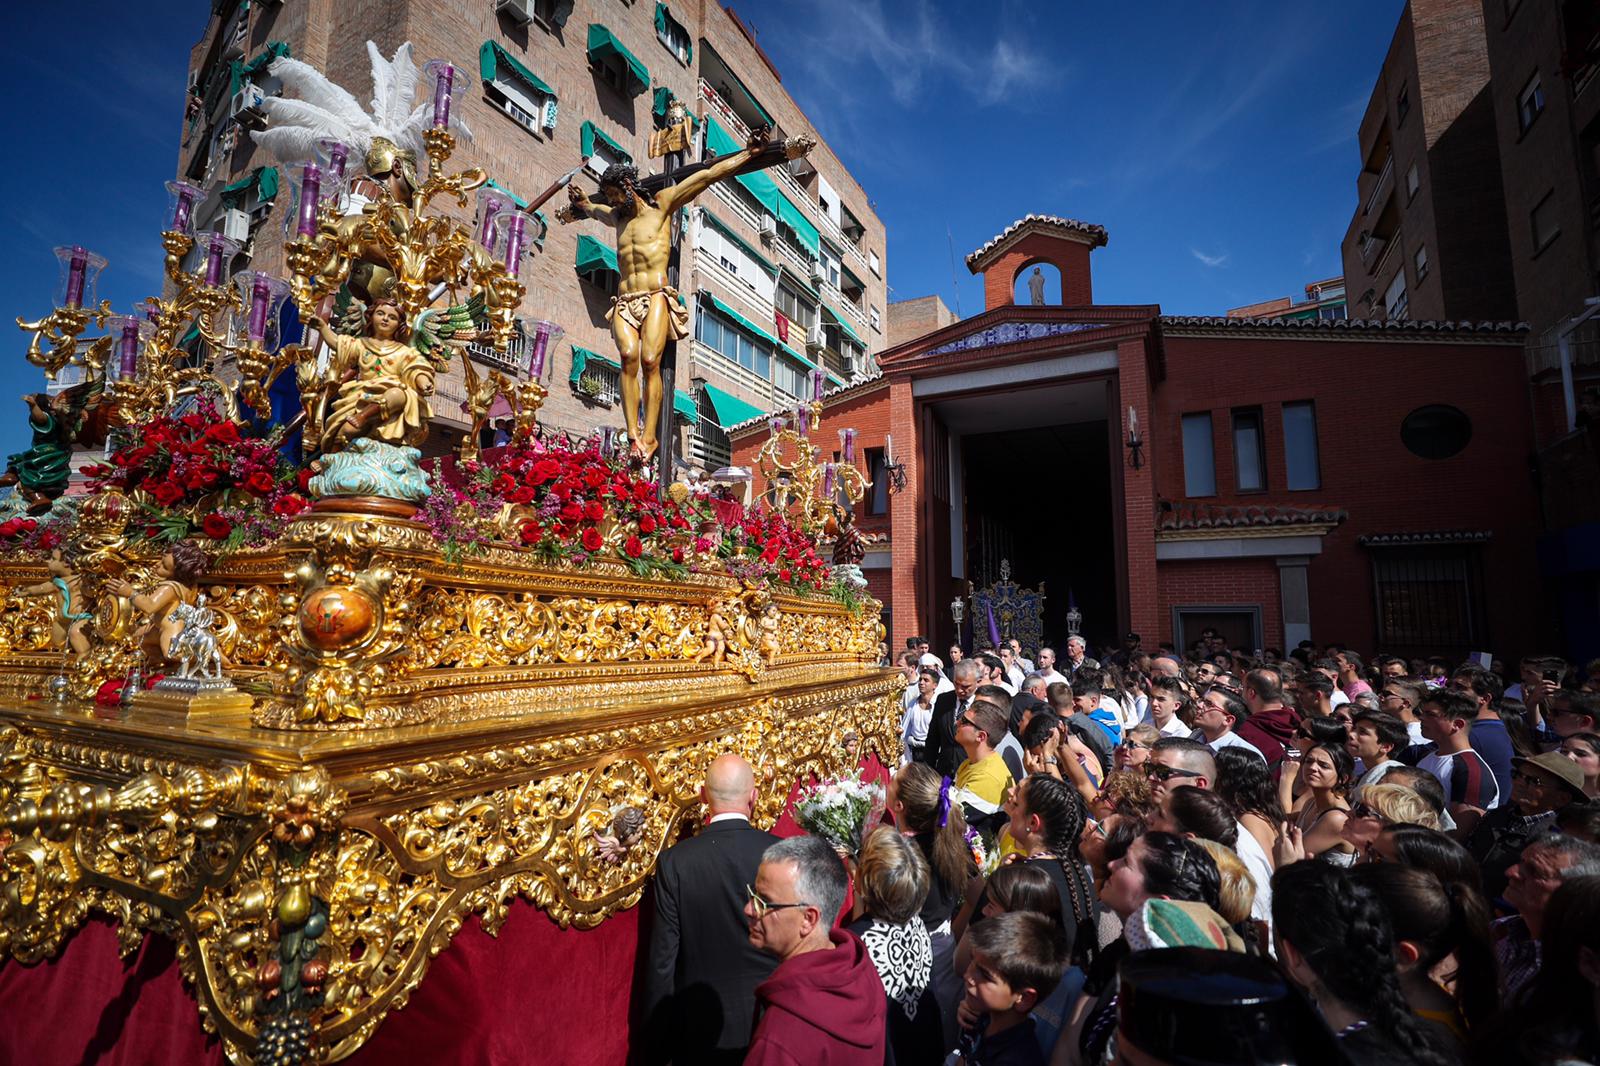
(1047, 818)
(1335, 941)
(1434, 920)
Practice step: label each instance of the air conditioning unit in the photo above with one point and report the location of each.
(236, 224)
(246, 105)
(817, 276)
(769, 229)
(815, 338)
(518, 11)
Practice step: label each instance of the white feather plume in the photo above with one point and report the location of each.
(325, 110)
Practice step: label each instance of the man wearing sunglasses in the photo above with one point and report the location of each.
(825, 1001)
(1401, 698)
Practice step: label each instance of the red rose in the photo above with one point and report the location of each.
(531, 533)
(166, 493)
(504, 483)
(633, 547)
(10, 528)
(290, 504)
(571, 512)
(223, 433)
(643, 490)
(677, 555)
(785, 575)
(592, 541)
(260, 483)
(303, 479)
(647, 524)
(521, 494)
(594, 477)
(594, 511)
(546, 470)
(215, 526)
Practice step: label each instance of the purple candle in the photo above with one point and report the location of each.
(444, 80)
(776, 424)
(802, 420)
(214, 259)
(514, 229)
(152, 311)
(75, 271)
(819, 381)
(183, 208)
(541, 341)
(827, 481)
(128, 357)
(310, 194)
(847, 440)
(338, 154)
(492, 206)
(260, 298)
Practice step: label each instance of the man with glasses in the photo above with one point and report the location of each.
(1540, 787)
(1573, 712)
(700, 955)
(1544, 865)
(941, 750)
(985, 776)
(1214, 719)
(825, 1001)
(1401, 698)
(1175, 762)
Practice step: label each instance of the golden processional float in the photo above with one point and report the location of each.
(303, 711)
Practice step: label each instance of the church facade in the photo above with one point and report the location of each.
(1365, 482)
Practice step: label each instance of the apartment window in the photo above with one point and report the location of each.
(722, 336)
(1543, 219)
(1331, 312)
(672, 34)
(733, 257)
(1199, 458)
(800, 312)
(1395, 301)
(875, 263)
(830, 264)
(1530, 103)
(1402, 105)
(1421, 262)
(1249, 457)
(876, 317)
(789, 378)
(878, 474)
(1301, 458)
(1413, 183)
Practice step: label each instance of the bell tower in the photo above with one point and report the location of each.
(1064, 243)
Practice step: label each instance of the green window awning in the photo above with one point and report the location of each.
(263, 179)
(792, 216)
(495, 62)
(793, 280)
(589, 133)
(603, 45)
(742, 321)
(850, 274)
(730, 410)
(664, 21)
(663, 100)
(582, 358)
(727, 231)
(240, 72)
(594, 255)
(796, 355)
(759, 184)
(837, 317)
(684, 404)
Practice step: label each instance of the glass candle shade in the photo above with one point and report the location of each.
(310, 198)
(262, 296)
(181, 198)
(80, 270)
(130, 331)
(219, 249)
(546, 335)
(819, 382)
(802, 420)
(333, 157)
(441, 75)
(847, 445)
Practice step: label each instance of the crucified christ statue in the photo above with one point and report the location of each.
(646, 313)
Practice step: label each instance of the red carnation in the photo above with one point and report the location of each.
(643, 490)
(215, 526)
(785, 575)
(591, 540)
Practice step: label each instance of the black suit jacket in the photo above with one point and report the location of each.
(700, 987)
(941, 751)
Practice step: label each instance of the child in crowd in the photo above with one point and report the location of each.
(1017, 960)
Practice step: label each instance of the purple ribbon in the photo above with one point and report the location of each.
(944, 802)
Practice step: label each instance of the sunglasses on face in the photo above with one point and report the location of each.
(1163, 772)
(964, 720)
(761, 906)
(1361, 810)
(1531, 780)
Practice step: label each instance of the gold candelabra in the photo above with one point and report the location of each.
(798, 480)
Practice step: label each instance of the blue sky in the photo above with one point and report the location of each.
(1215, 141)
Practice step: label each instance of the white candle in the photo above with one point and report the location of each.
(888, 447)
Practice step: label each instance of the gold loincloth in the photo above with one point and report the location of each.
(634, 306)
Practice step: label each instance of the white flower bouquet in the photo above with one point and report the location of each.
(841, 811)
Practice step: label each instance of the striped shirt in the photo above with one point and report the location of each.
(1465, 777)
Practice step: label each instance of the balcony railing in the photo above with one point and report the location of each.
(721, 366)
(513, 360)
(1380, 191)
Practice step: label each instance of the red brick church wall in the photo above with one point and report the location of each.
(1071, 258)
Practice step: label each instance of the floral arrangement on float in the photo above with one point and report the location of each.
(841, 810)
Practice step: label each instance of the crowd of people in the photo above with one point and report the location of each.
(1210, 856)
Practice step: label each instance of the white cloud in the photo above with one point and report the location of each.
(1212, 261)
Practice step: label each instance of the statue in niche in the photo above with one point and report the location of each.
(1036, 287)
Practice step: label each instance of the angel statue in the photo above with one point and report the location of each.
(382, 383)
(42, 471)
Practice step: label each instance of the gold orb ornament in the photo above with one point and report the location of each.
(336, 616)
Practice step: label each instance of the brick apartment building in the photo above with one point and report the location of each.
(1420, 244)
(1323, 299)
(555, 82)
(1318, 478)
